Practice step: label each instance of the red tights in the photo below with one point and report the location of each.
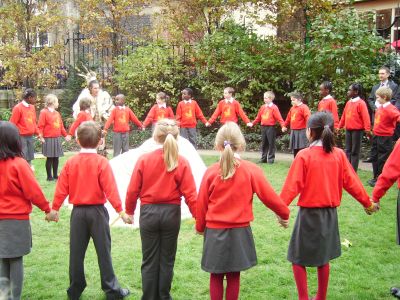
(300, 276)
(217, 286)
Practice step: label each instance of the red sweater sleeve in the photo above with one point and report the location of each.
(42, 122)
(307, 113)
(179, 112)
(170, 113)
(76, 124)
(258, 117)
(134, 187)
(241, 112)
(202, 203)
(188, 188)
(109, 186)
(62, 188)
(216, 113)
(294, 182)
(287, 120)
(365, 116)
(110, 120)
(15, 115)
(150, 117)
(278, 116)
(335, 114)
(134, 119)
(199, 113)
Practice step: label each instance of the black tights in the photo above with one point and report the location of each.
(52, 162)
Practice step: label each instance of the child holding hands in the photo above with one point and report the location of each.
(160, 110)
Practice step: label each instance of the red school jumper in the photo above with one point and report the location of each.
(83, 116)
(297, 117)
(329, 104)
(229, 111)
(120, 116)
(158, 112)
(50, 124)
(24, 117)
(355, 116)
(187, 114)
(269, 115)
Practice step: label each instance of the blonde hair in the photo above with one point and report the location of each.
(384, 92)
(229, 139)
(50, 99)
(166, 132)
(269, 94)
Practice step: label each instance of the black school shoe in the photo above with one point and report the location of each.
(371, 182)
(122, 294)
(395, 292)
(50, 179)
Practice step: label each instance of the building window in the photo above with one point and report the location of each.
(383, 22)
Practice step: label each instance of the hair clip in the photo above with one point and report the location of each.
(326, 126)
(226, 143)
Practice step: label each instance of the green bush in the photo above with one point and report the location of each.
(5, 114)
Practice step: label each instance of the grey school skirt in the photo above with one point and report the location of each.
(15, 237)
(52, 147)
(315, 239)
(298, 139)
(228, 250)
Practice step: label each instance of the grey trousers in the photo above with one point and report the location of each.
(91, 221)
(28, 147)
(11, 277)
(353, 146)
(159, 229)
(268, 147)
(120, 142)
(189, 134)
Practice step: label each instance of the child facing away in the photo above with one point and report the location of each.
(386, 118)
(18, 191)
(355, 120)
(83, 115)
(297, 121)
(51, 128)
(224, 213)
(187, 113)
(87, 180)
(160, 110)
(159, 179)
(328, 103)
(319, 174)
(228, 109)
(268, 114)
(24, 117)
(120, 117)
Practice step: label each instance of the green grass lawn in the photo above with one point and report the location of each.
(366, 270)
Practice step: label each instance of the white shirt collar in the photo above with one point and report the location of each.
(355, 99)
(301, 103)
(269, 105)
(316, 143)
(230, 100)
(51, 109)
(162, 105)
(386, 104)
(121, 107)
(24, 103)
(88, 150)
(187, 101)
(385, 83)
(236, 155)
(87, 111)
(327, 97)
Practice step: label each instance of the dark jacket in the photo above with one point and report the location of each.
(395, 97)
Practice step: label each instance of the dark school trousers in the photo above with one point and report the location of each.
(189, 134)
(353, 146)
(159, 229)
(268, 147)
(120, 142)
(381, 148)
(91, 221)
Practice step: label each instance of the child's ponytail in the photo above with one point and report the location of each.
(165, 132)
(228, 162)
(328, 139)
(321, 128)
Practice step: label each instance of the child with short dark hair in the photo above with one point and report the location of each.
(268, 114)
(355, 119)
(18, 191)
(88, 181)
(187, 113)
(160, 110)
(224, 213)
(120, 117)
(319, 174)
(83, 115)
(328, 103)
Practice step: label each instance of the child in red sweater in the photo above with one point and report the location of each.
(355, 119)
(18, 191)
(297, 121)
(319, 174)
(268, 114)
(160, 178)
(120, 117)
(224, 213)
(159, 111)
(88, 181)
(386, 118)
(83, 115)
(328, 103)
(51, 128)
(187, 113)
(229, 109)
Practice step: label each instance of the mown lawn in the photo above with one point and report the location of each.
(366, 270)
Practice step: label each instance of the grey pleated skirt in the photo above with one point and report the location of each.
(228, 250)
(52, 147)
(15, 237)
(315, 239)
(298, 139)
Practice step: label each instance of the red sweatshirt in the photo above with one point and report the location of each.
(25, 119)
(187, 114)
(320, 177)
(329, 104)
(355, 116)
(386, 118)
(50, 124)
(390, 173)
(19, 190)
(229, 203)
(82, 117)
(87, 179)
(297, 117)
(120, 116)
(157, 113)
(228, 111)
(152, 183)
(269, 115)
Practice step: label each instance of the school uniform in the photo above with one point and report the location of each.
(319, 178)
(83, 116)
(386, 118)
(187, 113)
(24, 117)
(120, 117)
(355, 119)
(268, 114)
(51, 128)
(160, 217)
(297, 121)
(228, 110)
(88, 180)
(224, 213)
(18, 191)
(158, 112)
(328, 104)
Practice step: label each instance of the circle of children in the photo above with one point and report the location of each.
(222, 207)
